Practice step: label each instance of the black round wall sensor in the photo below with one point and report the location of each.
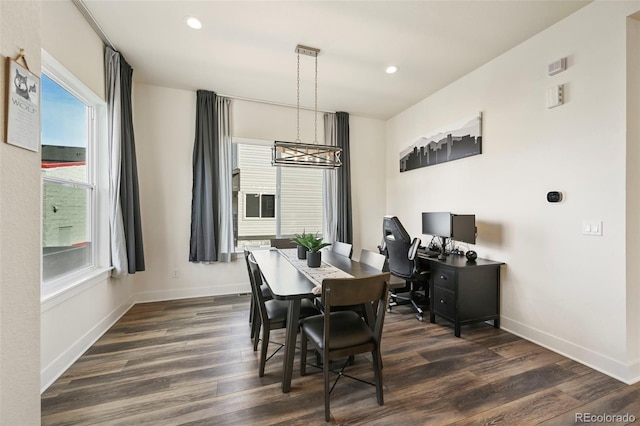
(554, 196)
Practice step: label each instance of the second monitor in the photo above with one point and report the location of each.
(459, 227)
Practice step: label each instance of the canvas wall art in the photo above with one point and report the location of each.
(458, 140)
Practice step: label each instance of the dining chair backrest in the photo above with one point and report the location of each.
(247, 253)
(282, 243)
(371, 258)
(255, 277)
(343, 249)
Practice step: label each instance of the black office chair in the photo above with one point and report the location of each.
(340, 334)
(401, 252)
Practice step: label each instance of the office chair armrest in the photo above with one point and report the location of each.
(413, 249)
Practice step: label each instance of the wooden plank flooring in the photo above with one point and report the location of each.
(190, 362)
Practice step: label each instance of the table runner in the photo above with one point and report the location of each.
(316, 275)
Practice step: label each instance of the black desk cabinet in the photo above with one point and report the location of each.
(464, 292)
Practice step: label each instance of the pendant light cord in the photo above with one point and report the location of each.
(315, 105)
(298, 102)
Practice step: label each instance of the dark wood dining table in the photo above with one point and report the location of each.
(288, 283)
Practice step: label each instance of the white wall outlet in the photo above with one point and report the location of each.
(175, 273)
(592, 227)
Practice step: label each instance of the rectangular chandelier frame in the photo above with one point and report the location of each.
(296, 154)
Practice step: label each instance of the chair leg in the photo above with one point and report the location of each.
(252, 305)
(303, 353)
(256, 332)
(263, 349)
(255, 320)
(325, 371)
(377, 371)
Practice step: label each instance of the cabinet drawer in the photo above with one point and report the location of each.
(444, 278)
(444, 302)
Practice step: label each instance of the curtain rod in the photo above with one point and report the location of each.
(93, 23)
(282, 104)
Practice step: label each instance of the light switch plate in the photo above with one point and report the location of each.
(555, 96)
(592, 227)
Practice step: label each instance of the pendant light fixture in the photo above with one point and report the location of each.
(298, 154)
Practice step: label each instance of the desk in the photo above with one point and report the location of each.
(287, 283)
(464, 292)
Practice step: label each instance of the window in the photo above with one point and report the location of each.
(273, 202)
(260, 205)
(71, 120)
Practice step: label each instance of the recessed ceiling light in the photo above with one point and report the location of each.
(193, 22)
(391, 69)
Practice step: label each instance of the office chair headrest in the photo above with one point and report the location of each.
(391, 226)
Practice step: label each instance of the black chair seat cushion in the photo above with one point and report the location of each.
(277, 310)
(347, 329)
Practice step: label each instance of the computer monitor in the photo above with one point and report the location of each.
(463, 228)
(459, 227)
(437, 224)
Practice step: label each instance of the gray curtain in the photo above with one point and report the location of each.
(127, 251)
(204, 209)
(226, 245)
(330, 188)
(116, 226)
(344, 219)
(211, 202)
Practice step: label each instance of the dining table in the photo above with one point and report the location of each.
(289, 280)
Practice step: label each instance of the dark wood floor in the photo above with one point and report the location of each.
(191, 362)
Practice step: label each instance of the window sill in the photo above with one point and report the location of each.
(56, 293)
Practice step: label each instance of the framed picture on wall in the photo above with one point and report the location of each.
(455, 141)
(23, 107)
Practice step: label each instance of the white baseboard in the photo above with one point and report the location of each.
(187, 293)
(57, 367)
(628, 373)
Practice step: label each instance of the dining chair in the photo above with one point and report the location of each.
(370, 258)
(343, 249)
(283, 243)
(340, 334)
(253, 307)
(272, 314)
(373, 259)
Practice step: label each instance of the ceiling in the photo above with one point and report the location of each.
(246, 49)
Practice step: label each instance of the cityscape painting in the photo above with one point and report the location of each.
(459, 140)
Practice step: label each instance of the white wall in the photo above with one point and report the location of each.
(165, 128)
(72, 321)
(368, 182)
(69, 39)
(19, 237)
(560, 288)
(633, 192)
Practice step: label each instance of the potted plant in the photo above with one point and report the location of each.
(300, 241)
(314, 245)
